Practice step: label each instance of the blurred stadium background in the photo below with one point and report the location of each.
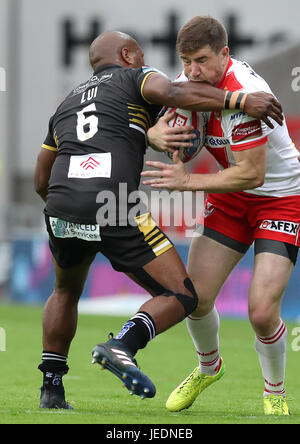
(43, 55)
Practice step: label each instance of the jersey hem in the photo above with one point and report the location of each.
(249, 145)
(49, 148)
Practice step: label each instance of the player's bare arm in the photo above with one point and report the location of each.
(42, 173)
(199, 96)
(248, 173)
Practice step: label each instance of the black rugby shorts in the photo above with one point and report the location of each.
(127, 248)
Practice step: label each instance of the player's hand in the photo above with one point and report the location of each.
(171, 176)
(164, 138)
(262, 106)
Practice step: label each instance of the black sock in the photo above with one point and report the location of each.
(137, 332)
(53, 366)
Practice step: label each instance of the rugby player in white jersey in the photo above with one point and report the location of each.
(254, 198)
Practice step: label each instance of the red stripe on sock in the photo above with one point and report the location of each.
(210, 363)
(275, 338)
(273, 385)
(208, 354)
(273, 392)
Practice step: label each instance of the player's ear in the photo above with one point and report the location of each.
(126, 56)
(225, 51)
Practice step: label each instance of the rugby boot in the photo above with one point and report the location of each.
(275, 405)
(186, 393)
(53, 394)
(114, 356)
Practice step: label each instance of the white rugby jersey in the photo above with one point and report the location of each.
(232, 130)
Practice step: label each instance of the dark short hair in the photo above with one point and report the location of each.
(199, 32)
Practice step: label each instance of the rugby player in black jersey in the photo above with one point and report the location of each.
(96, 141)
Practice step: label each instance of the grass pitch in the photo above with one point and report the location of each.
(98, 397)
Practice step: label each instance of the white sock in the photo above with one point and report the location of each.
(272, 357)
(205, 334)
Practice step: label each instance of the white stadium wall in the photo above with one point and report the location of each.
(4, 151)
(45, 44)
(43, 50)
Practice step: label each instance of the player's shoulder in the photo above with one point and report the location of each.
(181, 77)
(139, 75)
(151, 69)
(242, 77)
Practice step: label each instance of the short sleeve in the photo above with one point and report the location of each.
(50, 143)
(243, 131)
(143, 74)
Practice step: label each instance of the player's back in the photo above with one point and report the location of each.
(100, 134)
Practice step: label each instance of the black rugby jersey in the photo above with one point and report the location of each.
(99, 133)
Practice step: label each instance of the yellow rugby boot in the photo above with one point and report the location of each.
(186, 393)
(275, 405)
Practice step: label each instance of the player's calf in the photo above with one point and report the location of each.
(155, 316)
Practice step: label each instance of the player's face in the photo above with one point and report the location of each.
(205, 65)
(137, 55)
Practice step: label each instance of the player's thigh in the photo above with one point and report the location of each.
(168, 270)
(72, 258)
(165, 273)
(145, 254)
(166, 277)
(224, 236)
(209, 265)
(72, 280)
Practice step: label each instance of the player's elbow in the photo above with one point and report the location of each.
(41, 189)
(260, 176)
(260, 181)
(40, 184)
(256, 179)
(257, 183)
(253, 173)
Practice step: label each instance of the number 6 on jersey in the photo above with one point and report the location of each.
(83, 121)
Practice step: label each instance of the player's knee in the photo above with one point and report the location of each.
(205, 304)
(188, 301)
(67, 294)
(261, 320)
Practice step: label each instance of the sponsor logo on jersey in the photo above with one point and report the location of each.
(246, 131)
(64, 229)
(216, 142)
(104, 78)
(280, 226)
(90, 166)
(93, 81)
(237, 116)
(90, 163)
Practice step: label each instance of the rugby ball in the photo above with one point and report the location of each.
(199, 122)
